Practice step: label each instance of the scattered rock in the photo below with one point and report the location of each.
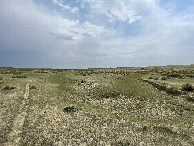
(33, 87)
(82, 81)
(71, 109)
(145, 128)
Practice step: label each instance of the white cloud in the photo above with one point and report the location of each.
(124, 11)
(59, 3)
(66, 7)
(71, 29)
(93, 30)
(39, 21)
(45, 37)
(133, 19)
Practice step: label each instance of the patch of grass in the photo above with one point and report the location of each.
(105, 92)
(130, 87)
(64, 80)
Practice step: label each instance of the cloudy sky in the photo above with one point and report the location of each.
(96, 33)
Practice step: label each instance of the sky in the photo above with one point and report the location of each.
(96, 33)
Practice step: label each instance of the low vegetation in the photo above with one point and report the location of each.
(122, 106)
(164, 78)
(71, 109)
(187, 87)
(19, 76)
(9, 88)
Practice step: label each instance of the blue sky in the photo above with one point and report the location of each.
(96, 33)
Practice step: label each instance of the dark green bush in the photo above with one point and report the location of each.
(19, 76)
(9, 88)
(175, 75)
(164, 78)
(156, 78)
(150, 78)
(71, 109)
(190, 75)
(187, 87)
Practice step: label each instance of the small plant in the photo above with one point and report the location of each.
(190, 75)
(187, 87)
(164, 78)
(175, 75)
(150, 78)
(123, 143)
(71, 109)
(156, 78)
(19, 76)
(9, 88)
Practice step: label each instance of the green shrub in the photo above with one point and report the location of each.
(150, 78)
(175, 75)
(71, 108)
(19, 76)
(164, 78)
(190, 75)
(156, 78)
(187, 87)
(9, 88)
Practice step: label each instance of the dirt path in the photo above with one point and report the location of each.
(14, 135)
